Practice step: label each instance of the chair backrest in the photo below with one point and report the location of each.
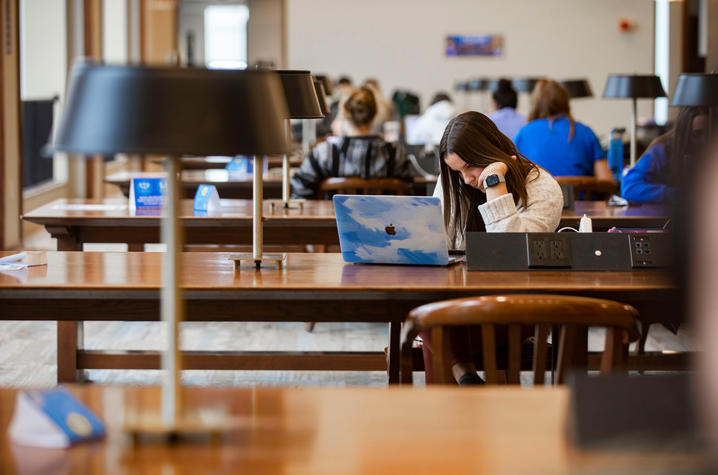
(359, 186)
(568, 314)
(591, 187)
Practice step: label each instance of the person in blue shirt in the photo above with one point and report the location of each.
(555, 141)
(505, 116)
(653, 179)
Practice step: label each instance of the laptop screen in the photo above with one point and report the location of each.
(391, 229)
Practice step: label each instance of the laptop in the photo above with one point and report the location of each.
(392, 230)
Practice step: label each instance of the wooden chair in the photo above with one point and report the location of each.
(592, 188)
(544, 312)
(359, 186)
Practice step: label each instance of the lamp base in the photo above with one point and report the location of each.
(193, 426)
(281, 204)
(280, 259)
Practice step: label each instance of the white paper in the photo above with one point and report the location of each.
(31, 426)
(13, 266)
(13, 257)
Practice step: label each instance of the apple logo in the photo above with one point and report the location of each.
(390, 230)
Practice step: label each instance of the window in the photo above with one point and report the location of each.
(225, 30)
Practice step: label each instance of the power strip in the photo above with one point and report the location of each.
(569, 251)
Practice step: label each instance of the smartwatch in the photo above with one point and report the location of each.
(493, 180)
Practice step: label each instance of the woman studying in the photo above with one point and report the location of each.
(555, 141)
(487, 185)
(357, 153)
(654, 178)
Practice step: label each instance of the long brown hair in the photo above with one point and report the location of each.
(684, 145)
(477, 141)
(548, 100)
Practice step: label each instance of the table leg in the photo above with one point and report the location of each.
(135, 246)
(394, 351)
(70, 336)
(66, 238)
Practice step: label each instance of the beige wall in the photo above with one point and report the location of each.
(711, 35)
(265, 32)
(401, 42)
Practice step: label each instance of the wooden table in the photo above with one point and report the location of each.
(77, 286)
(211, 163)
(74, 222)
(231, 186)
(331, 431)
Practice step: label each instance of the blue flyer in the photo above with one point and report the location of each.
(52, 418)
(244, 166)
(206, 200)
(147, 193)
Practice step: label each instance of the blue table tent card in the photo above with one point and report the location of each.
(244, 166)
(52, 418)
(206, 200)
(146, 193)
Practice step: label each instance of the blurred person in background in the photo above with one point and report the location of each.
(430, 126)
(334, 121)
(384, 107)
(358, 152)
(664, 165)
(504, 115)
(555, 141)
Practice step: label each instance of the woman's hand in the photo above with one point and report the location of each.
(496, 168)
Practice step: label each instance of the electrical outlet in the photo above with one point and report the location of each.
(643, 250)
(548, 250)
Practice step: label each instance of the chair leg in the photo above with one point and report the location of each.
(409, 333)
(441, 358)
(641, 344)
(566, 348)
(615, 355)
(309, 326)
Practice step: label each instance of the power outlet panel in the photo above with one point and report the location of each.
(574, 251)
(649, 250)
(549, 250)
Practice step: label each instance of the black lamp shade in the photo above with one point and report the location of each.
(577, 88)
(302, 101)
(171, 111)
(319, 88)
(634, 86)
(696, 90)
(525, 84)
(326, 82)
(478, 84)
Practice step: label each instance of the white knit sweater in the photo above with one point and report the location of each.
(542, 213)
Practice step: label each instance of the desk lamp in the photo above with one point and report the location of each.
(173, 112)
(697, 89)
(322, 96)
(302, 103)
(634, 87)
(577, 88)
(326, 82)
(309, 127)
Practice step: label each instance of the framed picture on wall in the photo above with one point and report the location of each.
(483, 45)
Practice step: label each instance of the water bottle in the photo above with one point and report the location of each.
(615, 152)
